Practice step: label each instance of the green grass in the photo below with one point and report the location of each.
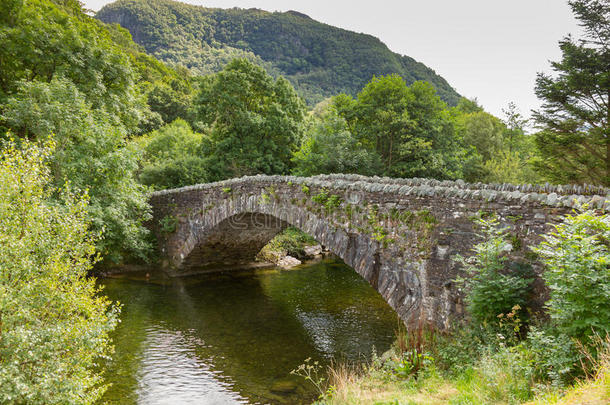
(501, 376)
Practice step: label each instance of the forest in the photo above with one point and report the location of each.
(95, 115)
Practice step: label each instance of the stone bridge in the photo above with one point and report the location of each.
(399, 234)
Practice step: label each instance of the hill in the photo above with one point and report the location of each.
(320, 60)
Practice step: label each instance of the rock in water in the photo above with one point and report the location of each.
(288, 262)
(312, 251)
(284, 386)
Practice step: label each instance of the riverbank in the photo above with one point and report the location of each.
(501, 375)
(375, 386)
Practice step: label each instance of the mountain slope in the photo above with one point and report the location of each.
(320, 60)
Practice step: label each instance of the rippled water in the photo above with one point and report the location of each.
(233, 338)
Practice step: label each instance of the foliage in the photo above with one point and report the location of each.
(500, 377)
(509, 167)
(172, 100)
(291, 242)
(555, 354)
(41, 41)
(321, 197)
(412, 351)
(64, 72)
(172, 157)
(91, 153)
(55, 325)
(485, 132)
(318, 59)
(410, 128)
(514, 135)
(505, 376)
(574, 142)
(596, 388)
(500, 152)
(168, 91)
(254, 121)
(576, 256)
(329, 147)
(491, 290)
(168, 224)
(312, 371)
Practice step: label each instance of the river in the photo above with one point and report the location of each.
(234, 337)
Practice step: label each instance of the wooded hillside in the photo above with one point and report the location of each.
(318, 59)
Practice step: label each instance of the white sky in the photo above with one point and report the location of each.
(488, 49)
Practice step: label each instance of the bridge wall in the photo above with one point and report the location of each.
(399, 234)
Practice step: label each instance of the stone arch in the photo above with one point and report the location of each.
(240, 229)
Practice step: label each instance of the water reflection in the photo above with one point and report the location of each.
(171, 373)
(234, 337)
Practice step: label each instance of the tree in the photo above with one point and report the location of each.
(410, 128)
(485, 132)
(91, 153)
(42, 41)
(574, 142)
(329, 147)
(468, 106)
(382, 120)
(54, 323)
(172, 157)
(254, 121)
(515, 127)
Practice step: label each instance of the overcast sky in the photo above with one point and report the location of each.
(488, 49)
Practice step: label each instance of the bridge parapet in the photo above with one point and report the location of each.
(571, 196)
(399, 234)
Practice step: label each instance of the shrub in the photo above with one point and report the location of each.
(290, 242)
(556, 356)
(491, 289)
(168, 224)
(576, 256)
(54, 323)
(321, 197)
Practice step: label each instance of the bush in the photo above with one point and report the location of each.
(290, 242)
(556, 356)
(54, 323)
(491, 289)
(172, 157)
(576, 256)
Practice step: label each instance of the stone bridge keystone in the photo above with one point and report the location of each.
(399, 234)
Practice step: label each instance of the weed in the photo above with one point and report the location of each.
(168, 224)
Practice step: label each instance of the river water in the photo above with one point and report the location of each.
(233, 338)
